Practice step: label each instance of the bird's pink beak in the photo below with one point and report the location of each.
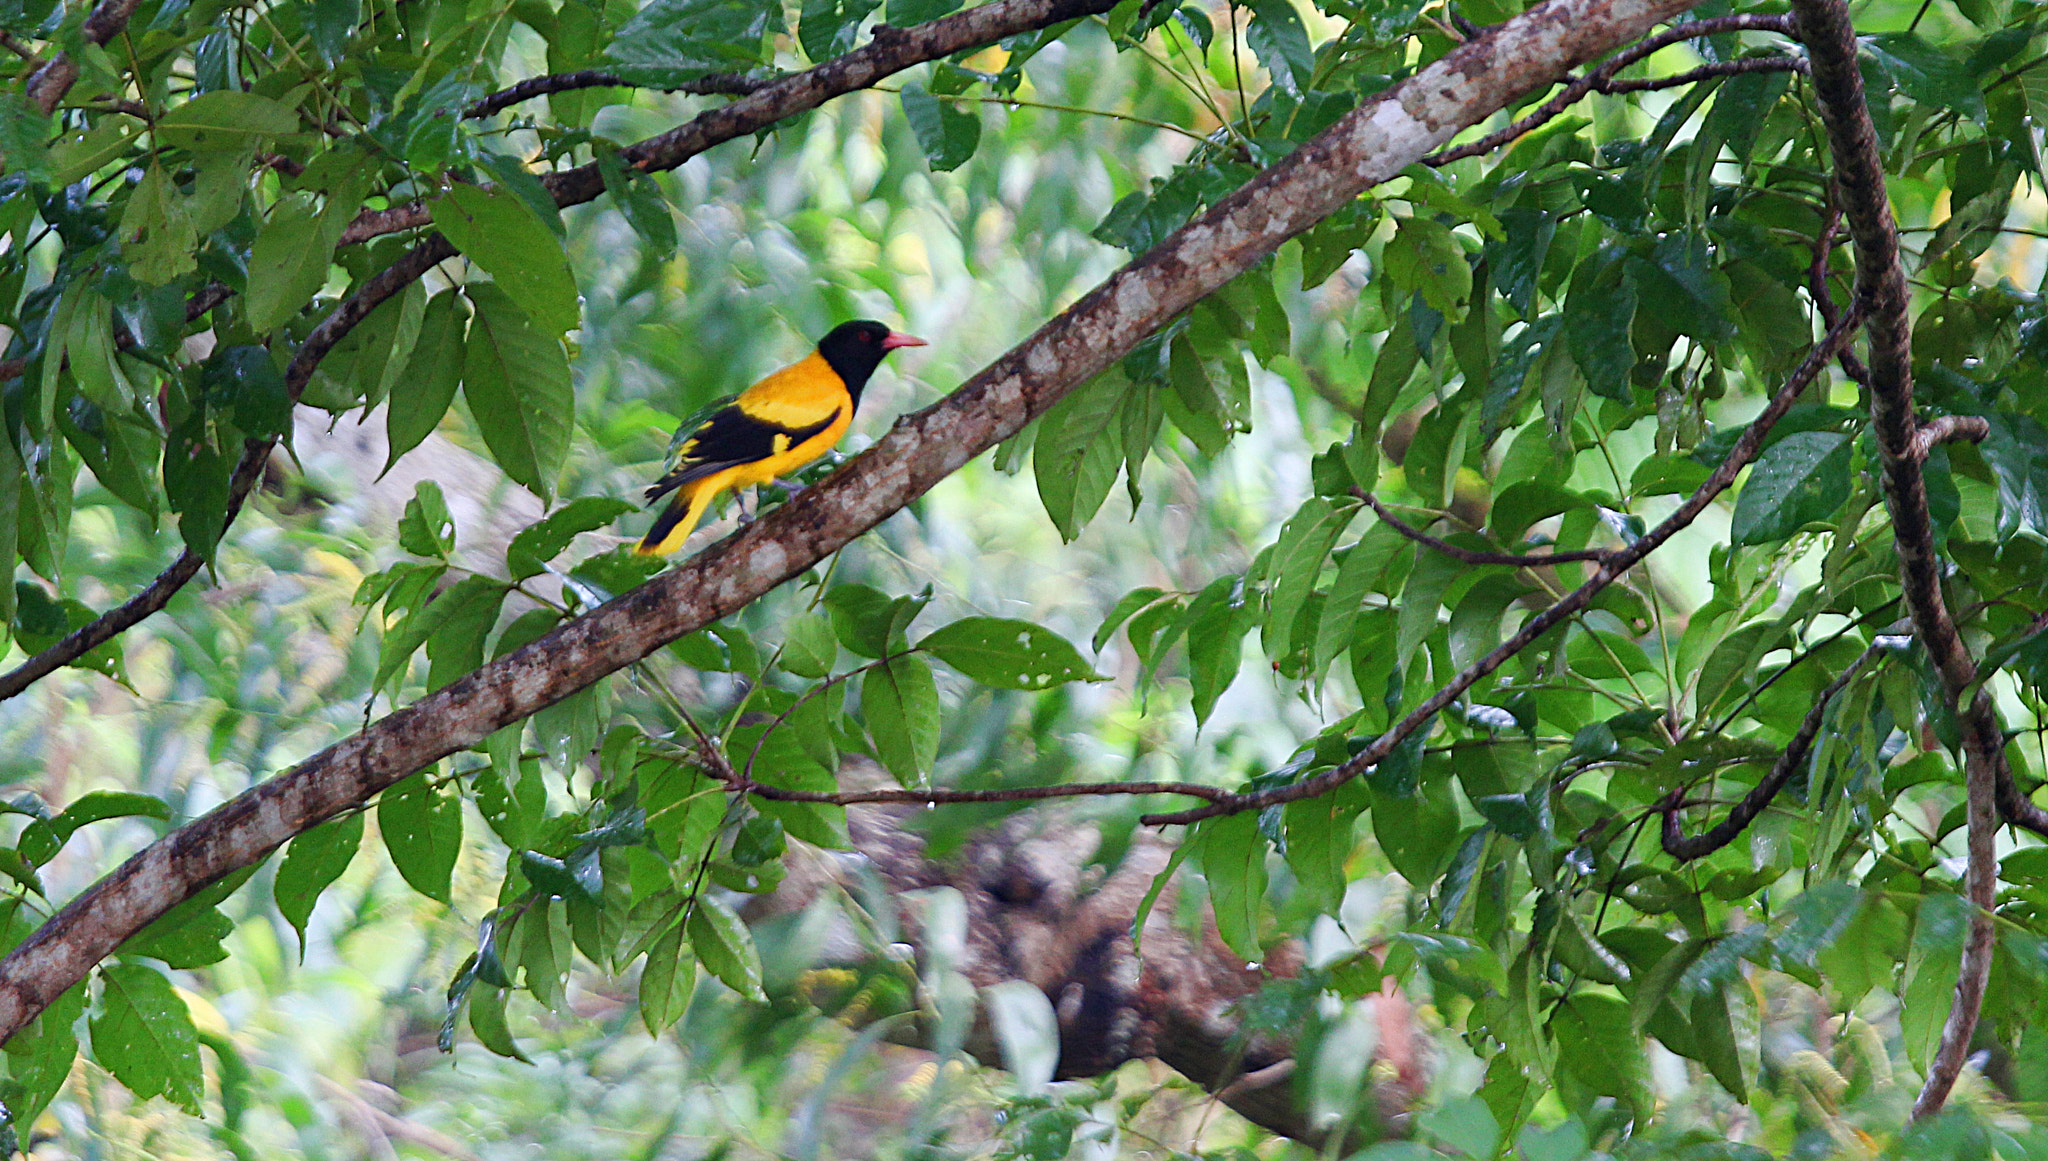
(899, 339)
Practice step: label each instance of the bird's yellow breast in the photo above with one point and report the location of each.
(800, 396)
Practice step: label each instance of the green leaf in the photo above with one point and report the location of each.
(1008, 654)
(189, 937)
(669, 42)
(1426, 257)
(426, 528)
(901, 704)
(827, 28)
(1028, 1033)
(500, 233)
(1278, 37)
(422, 828)
(1595, 1042)
(462, 617)
(869, 621)
(537, 544)
(1363, 564)
(487, 1020)
(1475, 622)
(143, 1034)
(1079, 450)
(25, 132)
(908, 13)
(1927, 74)
(1740, 106)
(243, 384)
(227, 119)
(1932, 965)
(1421, 599)
(1319, 843)
(460, 602)
(100, 805)
(40, 1056)
(1801, 478)
(1714, 1037)
(725, 947)
(1680, 283)
(1233, 855)
(1466, 1125)
(312, 863)
(1298, 559)
(1597, 318)
(158, 231)
(666, 981)
(289, 263)
(516, 379)
(948, 134)
(808, 647)
(432, 372)
(639, 199)
(2016, 451)
(1126, 605)
(372, 358)
(1216, 622)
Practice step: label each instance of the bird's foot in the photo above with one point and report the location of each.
(790, 491)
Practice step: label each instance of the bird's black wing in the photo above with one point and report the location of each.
(727, 438)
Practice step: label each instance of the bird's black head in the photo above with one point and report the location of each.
(854, 349)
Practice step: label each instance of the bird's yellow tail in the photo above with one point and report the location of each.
(679, 519)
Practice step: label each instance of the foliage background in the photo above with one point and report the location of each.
(843, 214)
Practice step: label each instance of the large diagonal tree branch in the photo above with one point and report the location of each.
(1369, 145)
(1824, 26)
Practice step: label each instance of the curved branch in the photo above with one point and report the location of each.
(1708, 71)
(1948, 429)
(1983, 759)
(1817, 284)
(1686, 848)
(1610, 570)
(717, 84)
(104, 628)
(1468, 556)
(1597, 81)
(159, 592)
(945, 797)
(891, 51)
(1371, 144)
(1830, 39)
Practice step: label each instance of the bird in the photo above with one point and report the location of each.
(776, 426)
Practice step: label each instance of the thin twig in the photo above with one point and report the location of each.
(1610, 570)
(1947, 429)
(1685, 847)
(1708, 71)
(1469, 556)
(18, 47)
(889, 52)
(1596, 81)
(717, 84)
(1817, 283)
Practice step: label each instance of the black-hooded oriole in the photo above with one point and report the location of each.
(776, 426)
